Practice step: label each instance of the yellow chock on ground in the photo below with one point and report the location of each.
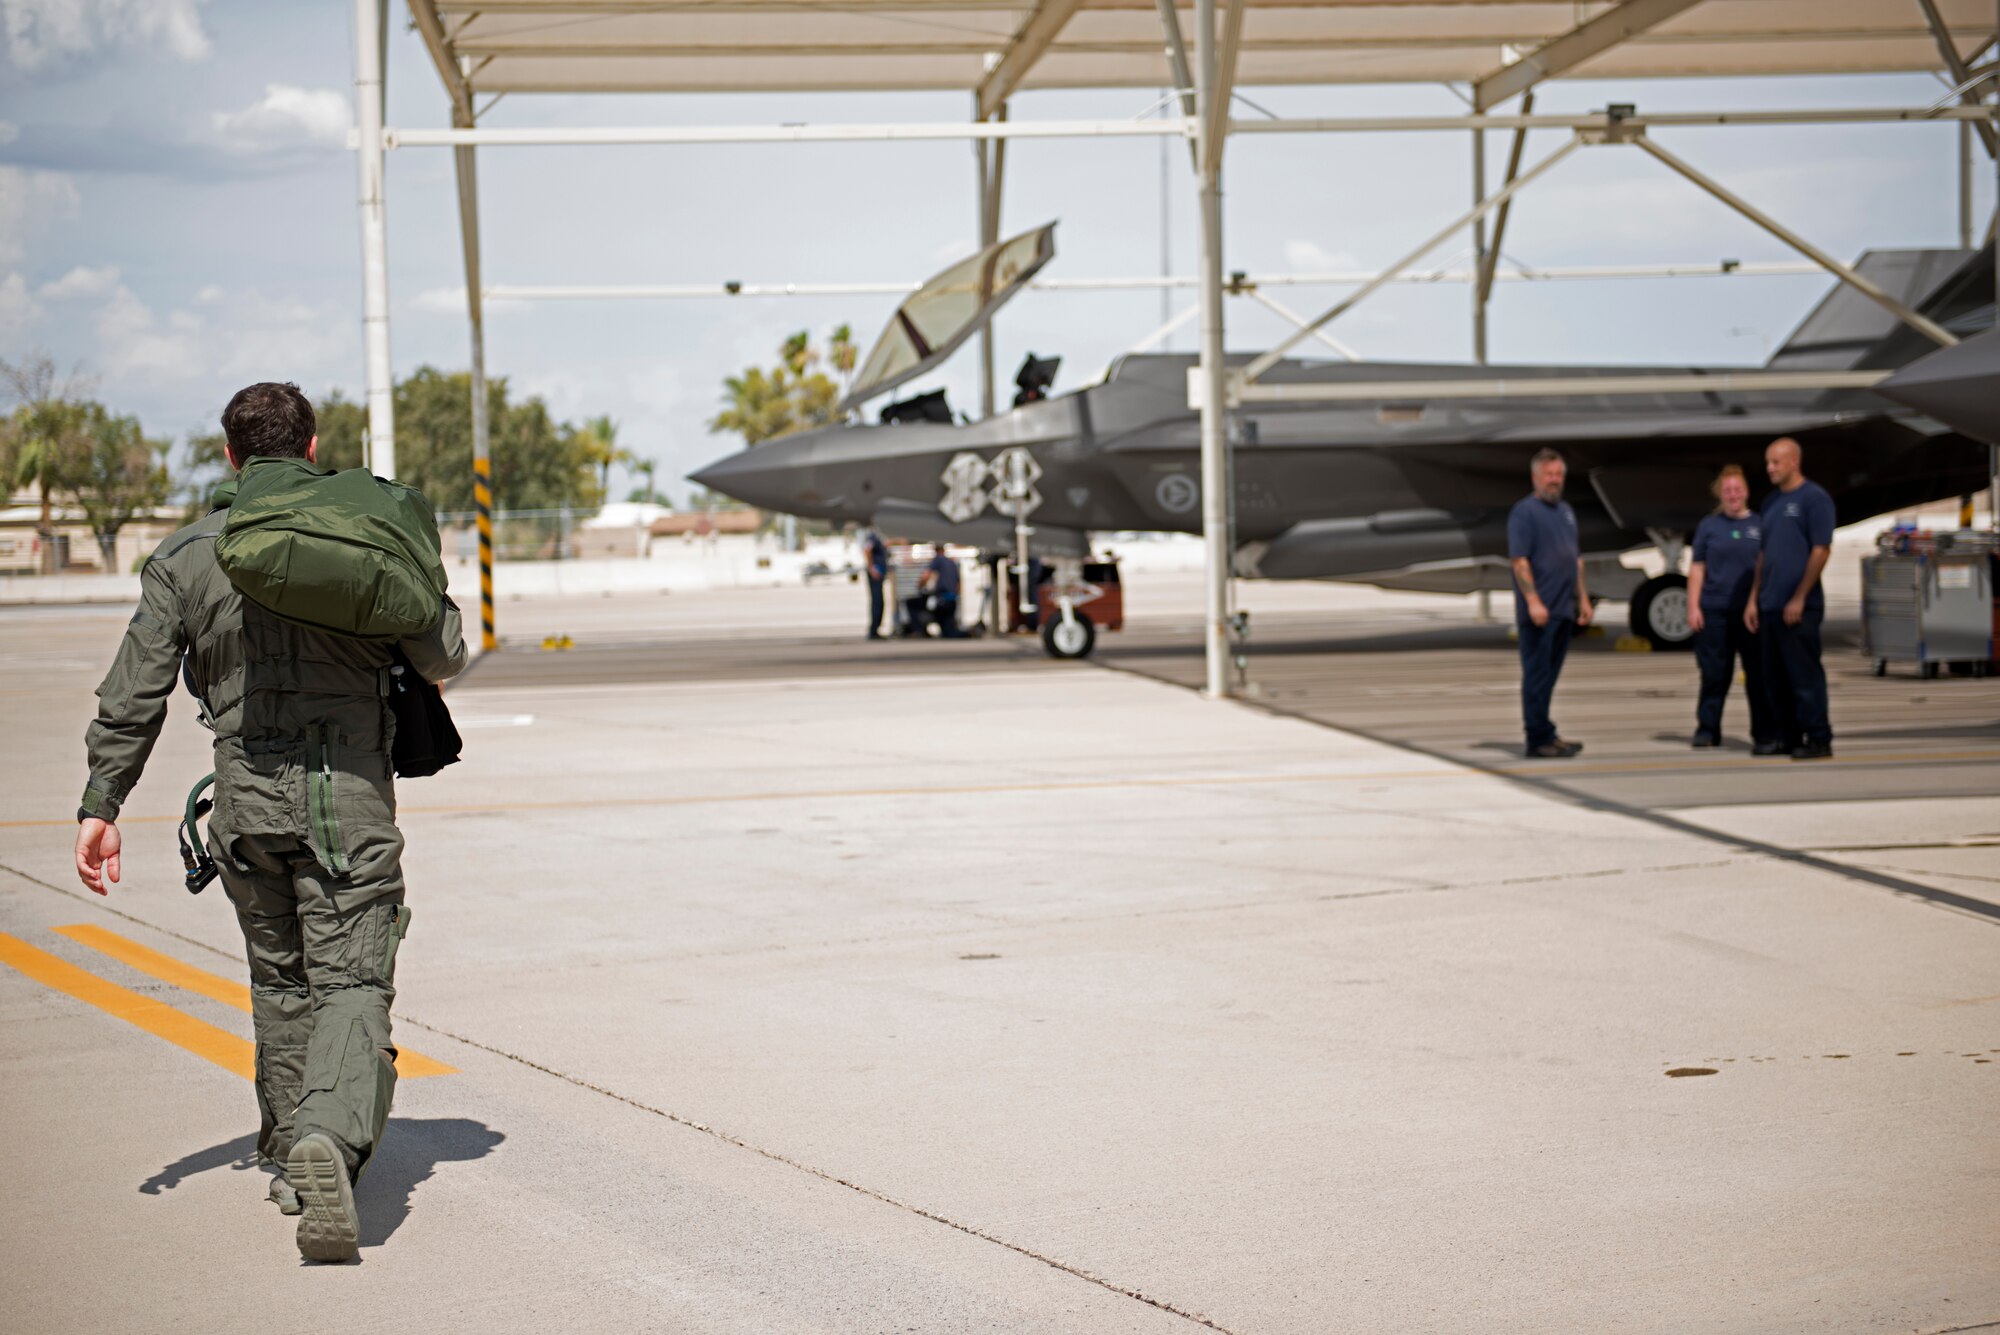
(555, 643)
(1592, 632)
(1633, 644)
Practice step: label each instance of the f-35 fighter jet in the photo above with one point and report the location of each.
(1401, 492)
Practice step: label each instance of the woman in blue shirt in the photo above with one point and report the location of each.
(1719, 581)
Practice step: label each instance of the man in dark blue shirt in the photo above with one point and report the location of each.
(1787, 604)
(875, 559)
(1720, 573)
(1549, 598)
(941, 582)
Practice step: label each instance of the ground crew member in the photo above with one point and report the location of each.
(1550, 600)
(941, 580)
(1787, 603)
(1720, 573)
(875, 561)
(303, 830)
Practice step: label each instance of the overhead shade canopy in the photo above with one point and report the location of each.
(949, 308)
(999, 46)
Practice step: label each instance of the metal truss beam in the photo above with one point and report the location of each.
(1172, 127)
(1029, 45)
(1929, 328)
(1560, 54)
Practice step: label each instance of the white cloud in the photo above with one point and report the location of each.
(285, 117)
(31, 199)
(9, 132)
(82, 281)
(1310, 257)
(224, 335)
(40, 32)
(18, 309)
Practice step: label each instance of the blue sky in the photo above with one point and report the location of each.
(177, 219)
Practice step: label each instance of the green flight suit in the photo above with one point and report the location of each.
(304, 827)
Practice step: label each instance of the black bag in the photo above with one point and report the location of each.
(426, 738)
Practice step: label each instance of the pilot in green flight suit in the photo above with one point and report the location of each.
(303, 832)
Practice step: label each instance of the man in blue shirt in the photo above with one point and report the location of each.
(1787, 604)
(1720, 573)
(941, 582)
(875, 559)
(1549, 597)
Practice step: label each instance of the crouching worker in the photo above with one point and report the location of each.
(303, 831)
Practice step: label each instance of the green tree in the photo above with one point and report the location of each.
(114, 474)
(43, 435)
(793, 395)
(538, 463)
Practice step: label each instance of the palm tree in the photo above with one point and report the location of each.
(44, 434)
(842, 355)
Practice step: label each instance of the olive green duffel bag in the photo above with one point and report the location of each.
(341, 551)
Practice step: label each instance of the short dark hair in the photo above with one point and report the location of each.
(271, 419)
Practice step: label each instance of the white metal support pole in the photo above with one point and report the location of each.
(1478, 246)
(1964, 185)
(1215, 498)
(992, 158)
(370, 39)
(475, 308)
(1916, 320)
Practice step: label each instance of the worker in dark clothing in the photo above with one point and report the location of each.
(875, 563)
(1724, 565)
(940, 583)
(1787, 603)
(1549, 598)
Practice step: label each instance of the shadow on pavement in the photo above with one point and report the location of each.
(412, 1148)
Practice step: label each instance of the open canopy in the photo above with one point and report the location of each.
(995, 47)
(948, 309)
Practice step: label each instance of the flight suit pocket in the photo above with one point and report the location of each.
(323, 834)
(324, 1061)
(399, 928)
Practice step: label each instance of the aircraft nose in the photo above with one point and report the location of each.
(765, 476)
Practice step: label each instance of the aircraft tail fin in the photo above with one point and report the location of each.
(1848, 330)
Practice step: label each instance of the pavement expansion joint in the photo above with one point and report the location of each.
(707, 1130)
(1548, 783)
(834, 1179)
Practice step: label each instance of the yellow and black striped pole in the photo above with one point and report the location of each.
(482, 499)
(482, 459)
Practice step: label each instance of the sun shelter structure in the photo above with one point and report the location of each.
(1498, 51)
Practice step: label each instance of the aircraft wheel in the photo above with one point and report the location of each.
(1063, 638)
(1660, 612)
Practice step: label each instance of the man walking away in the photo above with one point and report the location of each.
(1787, 604)
(1549, 597)
(875, 560)
(1720, 573)
(303, 831)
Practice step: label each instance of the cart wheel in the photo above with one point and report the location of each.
(1928, 671)
(1963, 669)
(1063, 638)
(1881, 667)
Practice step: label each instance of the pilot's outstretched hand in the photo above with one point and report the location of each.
(97, 845)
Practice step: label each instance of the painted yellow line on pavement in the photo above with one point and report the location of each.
(409, 1065)
(204, 1040)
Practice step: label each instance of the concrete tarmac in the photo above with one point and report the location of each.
(955, 989)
